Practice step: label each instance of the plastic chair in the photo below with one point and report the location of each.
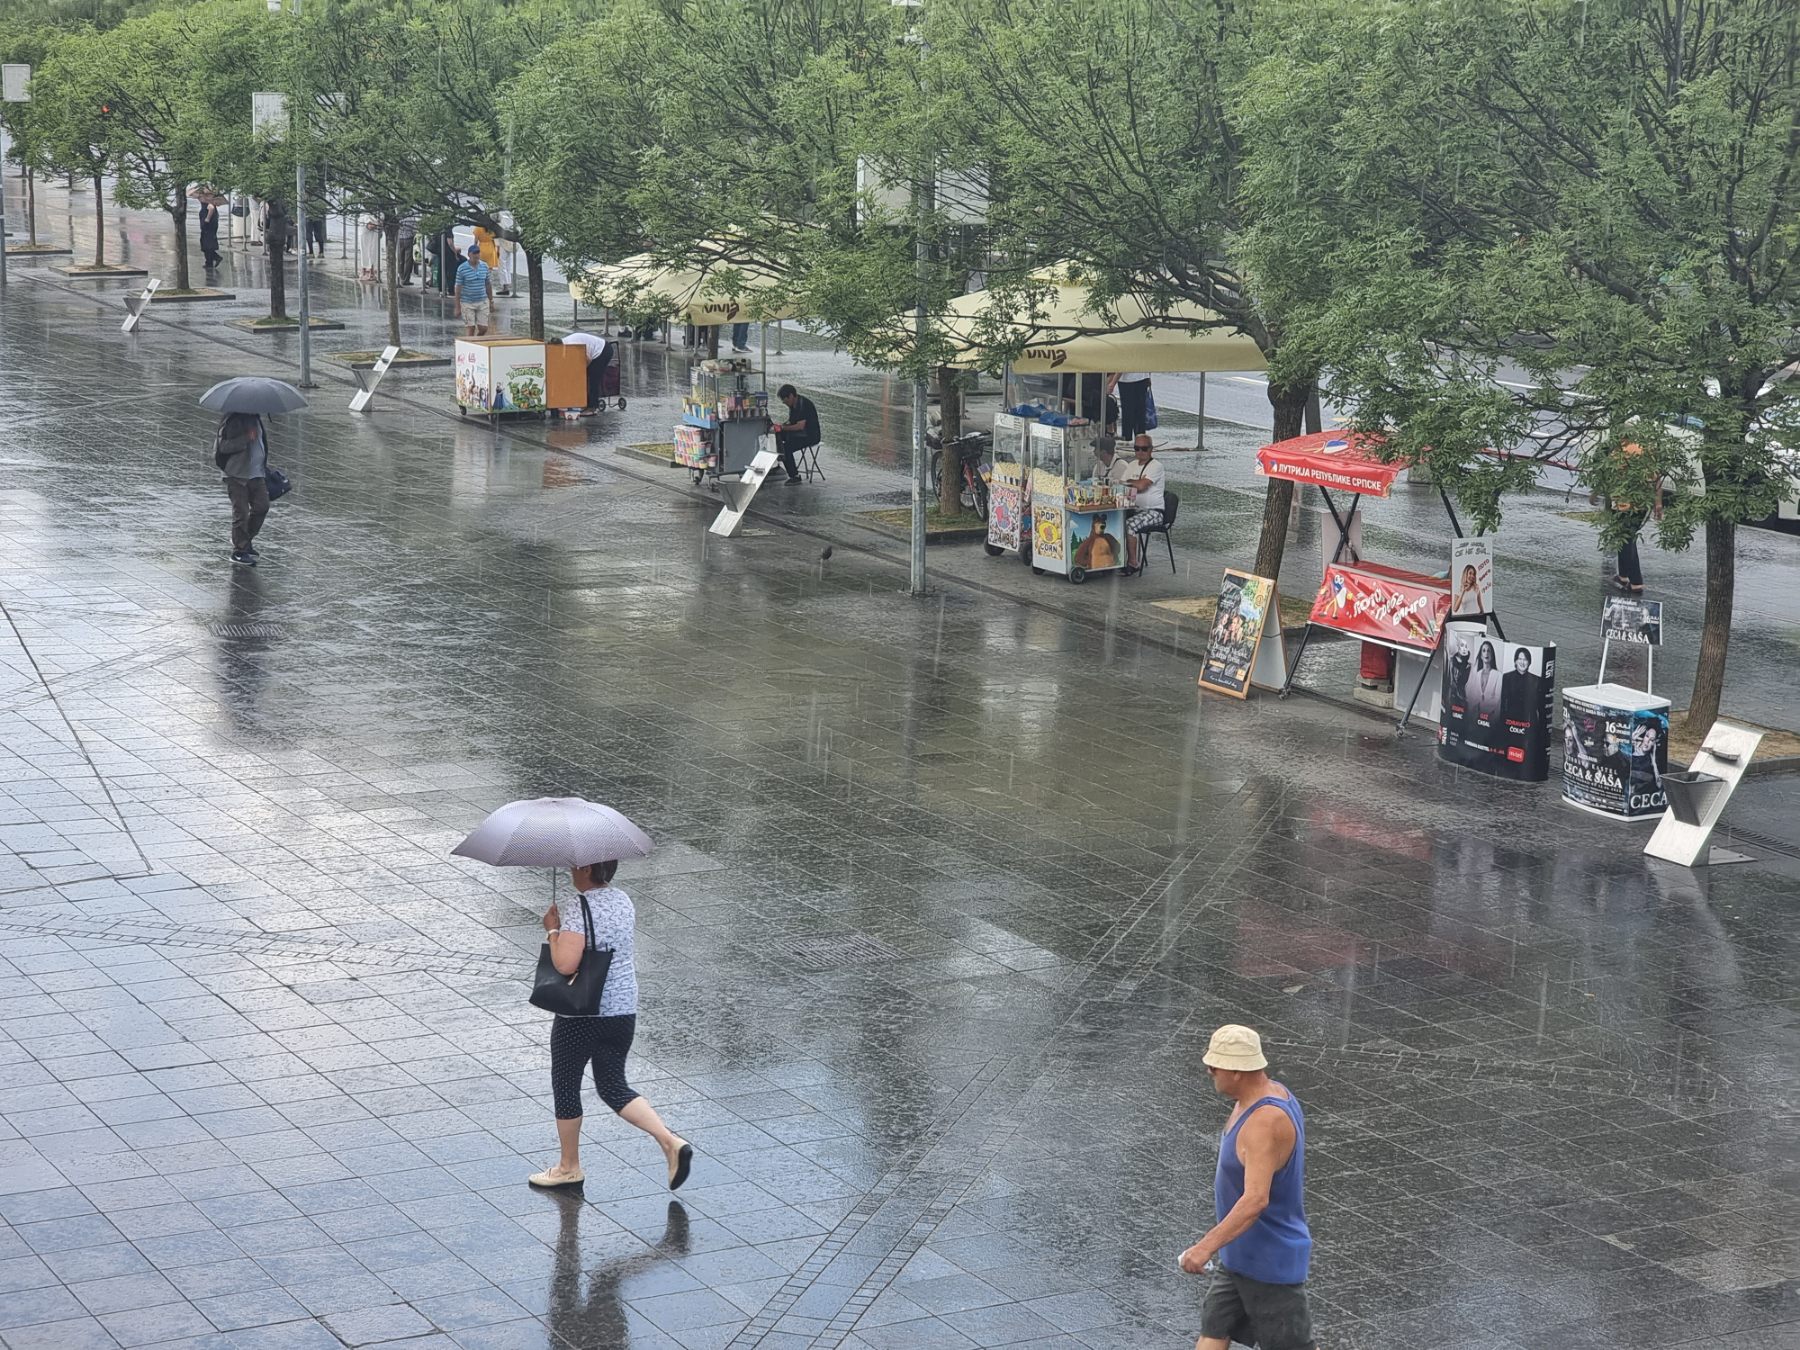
(1171, 505)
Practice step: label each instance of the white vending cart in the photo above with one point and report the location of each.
(1009, 506)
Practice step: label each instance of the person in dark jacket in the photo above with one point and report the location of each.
(800, 431)
(209, 229)
(243, 456)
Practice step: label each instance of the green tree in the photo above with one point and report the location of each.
(26, 45)
(593, 124)
(68, 126)
(366, 72)
(172, 83)
(1605, 193)
(1108, 126)
(779, 123)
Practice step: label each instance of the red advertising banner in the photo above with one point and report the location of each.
(1331, 459)
(1386, 604)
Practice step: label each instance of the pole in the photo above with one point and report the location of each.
(921, 459)
(302, 143)
(2, 222)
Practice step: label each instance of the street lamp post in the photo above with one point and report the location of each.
(921, 203)
(301, 143)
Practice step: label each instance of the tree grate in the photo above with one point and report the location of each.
(248, 630)
(835, 951)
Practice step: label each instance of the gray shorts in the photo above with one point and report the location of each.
(1269, 1316)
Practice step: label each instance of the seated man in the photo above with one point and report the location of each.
(599, 356)
(800, 431)
(1147, 506)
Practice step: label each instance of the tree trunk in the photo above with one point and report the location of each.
(31, 206)
(1715, 628)
(949, 428)
(275, 243)
(712, 342)
(1315, 417)
(1289, 403)
(390, 238)
(179, 215)
(534, 284)
(99, 224)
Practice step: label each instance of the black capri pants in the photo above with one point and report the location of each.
(575, 1042)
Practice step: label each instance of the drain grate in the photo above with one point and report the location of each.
(835, 951)
(248, 630)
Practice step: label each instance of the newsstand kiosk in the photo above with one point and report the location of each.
(1392, 607)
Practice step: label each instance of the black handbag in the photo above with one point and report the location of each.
(576, 995)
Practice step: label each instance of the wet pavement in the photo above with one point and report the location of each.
(949, 895)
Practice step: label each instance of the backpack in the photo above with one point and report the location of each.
(222, 452)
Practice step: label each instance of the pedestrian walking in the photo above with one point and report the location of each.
(209, 229)
(475, 293)
(604, 912)
(1259, 1248)
(799, 432)
(241, 452)
(740, 337)
(407, 244)
(599, 356)
(1630, 576)
(489, 244)
(317, 209)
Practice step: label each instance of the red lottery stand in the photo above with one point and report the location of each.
(1390, 607)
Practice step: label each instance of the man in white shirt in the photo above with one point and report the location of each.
(1147, 506)
(599, 353)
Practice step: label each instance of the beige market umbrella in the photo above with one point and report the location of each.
(691, 295)
(1066, 334)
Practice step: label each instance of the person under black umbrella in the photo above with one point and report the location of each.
(241, 453)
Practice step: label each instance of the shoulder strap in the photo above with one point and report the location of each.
(588, 916)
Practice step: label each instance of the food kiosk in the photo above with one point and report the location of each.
(1008, 510)
(1077, 526)
(499, 375)
(723, 420)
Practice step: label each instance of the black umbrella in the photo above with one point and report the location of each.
(253, 394)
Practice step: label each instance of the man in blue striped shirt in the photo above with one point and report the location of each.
(474, 294)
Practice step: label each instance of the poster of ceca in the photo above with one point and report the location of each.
(1614, 759)
(1498, 701)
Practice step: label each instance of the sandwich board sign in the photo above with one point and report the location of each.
(1240, 650)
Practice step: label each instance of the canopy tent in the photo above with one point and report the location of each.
(1065, 334)
(692, 295)
(1332, 459)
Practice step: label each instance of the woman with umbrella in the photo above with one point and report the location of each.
(598, 920)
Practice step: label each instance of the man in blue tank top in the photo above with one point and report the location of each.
(1260, 1246)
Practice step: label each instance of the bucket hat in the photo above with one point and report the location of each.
(1236, 1048)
